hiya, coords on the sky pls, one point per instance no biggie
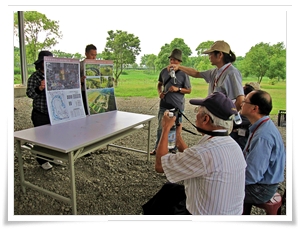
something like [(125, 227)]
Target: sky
[(240, 26)]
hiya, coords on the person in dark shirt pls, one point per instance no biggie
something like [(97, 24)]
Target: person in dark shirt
[(240, 133), (36, 91)]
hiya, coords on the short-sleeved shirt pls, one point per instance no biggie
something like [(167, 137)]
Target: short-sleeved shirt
[(176, 99), (213, 172), (229, 83)]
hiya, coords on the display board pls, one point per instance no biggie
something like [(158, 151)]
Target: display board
[(63, 89), (99, 86)]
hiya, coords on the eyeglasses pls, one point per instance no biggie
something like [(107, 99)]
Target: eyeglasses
[(246, 102)]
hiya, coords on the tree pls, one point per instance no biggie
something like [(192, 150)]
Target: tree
[(148, 60), (39, 33), (122, 48), (203, 46), (277, 68), (202, 63), (264, 60), (162, 59)]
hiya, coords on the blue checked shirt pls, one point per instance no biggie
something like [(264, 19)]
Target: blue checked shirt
[(39, 97)]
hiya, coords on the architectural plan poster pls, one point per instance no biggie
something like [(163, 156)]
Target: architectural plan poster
[(99, 85), (63, 92)]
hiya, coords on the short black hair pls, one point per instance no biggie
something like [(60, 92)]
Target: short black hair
[(248, 88), (263, 100), (39, 66), (90, 47)]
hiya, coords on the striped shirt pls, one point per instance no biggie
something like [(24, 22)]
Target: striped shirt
[(213, 172), (39, 102)]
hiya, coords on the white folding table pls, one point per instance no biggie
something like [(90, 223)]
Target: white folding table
[(73, 139)]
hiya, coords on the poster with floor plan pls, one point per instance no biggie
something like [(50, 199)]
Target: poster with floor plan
[(99, 85), (63, 89)]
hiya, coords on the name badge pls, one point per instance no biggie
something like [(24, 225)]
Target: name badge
[(242, 132)]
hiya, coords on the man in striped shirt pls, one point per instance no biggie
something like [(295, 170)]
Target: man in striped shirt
[(213, 170)]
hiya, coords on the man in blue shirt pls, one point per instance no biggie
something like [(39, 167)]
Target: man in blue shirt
[(264, 151)]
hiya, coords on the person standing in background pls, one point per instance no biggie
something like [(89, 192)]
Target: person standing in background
[(90, 53), (36, 91), (225, 78), (171, 91), (240, 133)]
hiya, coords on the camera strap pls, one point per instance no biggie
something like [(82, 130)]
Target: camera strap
[(211, 133)]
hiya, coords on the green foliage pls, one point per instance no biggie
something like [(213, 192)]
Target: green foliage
[(122, 48), (35, 25), (203, 63), (264, 60), (148, 60), (162, 59), (60, 54), (203, 46)]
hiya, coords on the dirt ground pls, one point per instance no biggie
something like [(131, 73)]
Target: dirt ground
[(109, 182)]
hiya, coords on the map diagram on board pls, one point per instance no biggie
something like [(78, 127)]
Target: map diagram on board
[(99, 86), (63, 91), (58, 106)]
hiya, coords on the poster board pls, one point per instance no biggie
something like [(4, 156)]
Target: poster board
[(99, 86), (62, 87)]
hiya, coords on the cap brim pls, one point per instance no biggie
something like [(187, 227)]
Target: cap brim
[(208, 51), (196, 101), (174, 58)]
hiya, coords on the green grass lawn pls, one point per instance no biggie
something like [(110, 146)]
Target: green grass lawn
[(138, 83), (135, 83)]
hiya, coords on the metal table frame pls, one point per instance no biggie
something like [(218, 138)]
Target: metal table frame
[(71, 140)]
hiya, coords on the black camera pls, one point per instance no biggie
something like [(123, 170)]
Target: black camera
[(177, 114)]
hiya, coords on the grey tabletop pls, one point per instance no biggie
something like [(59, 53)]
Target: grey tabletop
[(72, 135)]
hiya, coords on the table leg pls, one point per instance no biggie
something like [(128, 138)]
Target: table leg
[(73, 187), (21, 168), (148, 145)]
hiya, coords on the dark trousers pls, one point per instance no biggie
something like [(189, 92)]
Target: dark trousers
[(170, 200), (38, 119), (85, 102)]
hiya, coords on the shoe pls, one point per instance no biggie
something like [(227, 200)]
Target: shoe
[(153, 152), (57, 162), (46, 166), (27, 145)]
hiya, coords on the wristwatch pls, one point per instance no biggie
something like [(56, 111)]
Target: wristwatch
[(180, 89)]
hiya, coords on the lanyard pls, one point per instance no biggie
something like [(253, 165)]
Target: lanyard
[(216, 80), (212, 133), (254, 132)]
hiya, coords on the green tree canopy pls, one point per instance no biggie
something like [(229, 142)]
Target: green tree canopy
[(148, 60), (40, 33), (162, 57), (122, 48), (58, 53), (265, 60), (203, 46)]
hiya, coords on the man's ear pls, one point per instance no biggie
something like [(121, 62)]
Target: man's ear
[(206, 119)]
